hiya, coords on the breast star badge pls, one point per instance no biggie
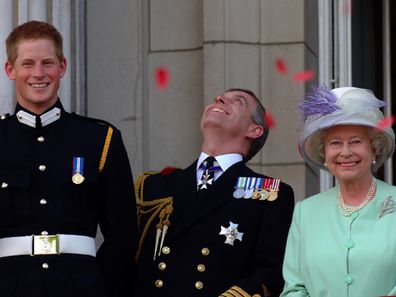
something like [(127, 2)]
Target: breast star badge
[(231, 233)]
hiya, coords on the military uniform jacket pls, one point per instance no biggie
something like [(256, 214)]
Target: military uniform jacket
[(37, 194), (194, 260)]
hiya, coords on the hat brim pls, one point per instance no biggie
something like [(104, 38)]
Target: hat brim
[(309, 142)]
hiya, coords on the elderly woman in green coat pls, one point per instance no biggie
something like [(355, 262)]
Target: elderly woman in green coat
[(342, 242)]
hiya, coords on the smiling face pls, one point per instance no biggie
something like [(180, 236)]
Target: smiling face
[(37, 72), (348, 153), (230, 111)]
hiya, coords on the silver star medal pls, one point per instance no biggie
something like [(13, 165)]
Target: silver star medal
[(231, 233), (203, 183)]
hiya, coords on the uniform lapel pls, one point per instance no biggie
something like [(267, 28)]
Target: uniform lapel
[(188, 208)]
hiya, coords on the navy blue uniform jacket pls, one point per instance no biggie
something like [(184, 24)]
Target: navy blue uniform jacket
[(105, 198), (195, 261)]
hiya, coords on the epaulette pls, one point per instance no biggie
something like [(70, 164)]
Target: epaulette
[(4, 116), (161, 208), (107, 141), (100, 121)]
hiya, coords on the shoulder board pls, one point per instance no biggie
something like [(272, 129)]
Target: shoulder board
[(4, 116), (100, 121)]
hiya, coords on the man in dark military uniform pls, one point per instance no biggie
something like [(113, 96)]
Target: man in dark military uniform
[(216, 228), (60, 176)]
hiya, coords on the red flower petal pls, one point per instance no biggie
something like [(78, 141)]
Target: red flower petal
[(386, 122), (303, 76), (281, 66), (348, 7), (168, 170), (162, 77), (269, 120)]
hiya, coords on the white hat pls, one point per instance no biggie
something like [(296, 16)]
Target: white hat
[(324, 108)]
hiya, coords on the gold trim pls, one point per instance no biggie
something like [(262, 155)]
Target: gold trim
[(227, 294), (240, 291), (162, 208), (105, 149)]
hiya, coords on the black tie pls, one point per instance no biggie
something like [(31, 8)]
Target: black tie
[(208, 175), (38, 122)]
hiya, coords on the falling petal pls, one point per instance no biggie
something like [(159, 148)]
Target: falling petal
[(281, 66), (299, 149), (348, 7), (386, 122), (304, 76), (168, 170), (162, 77), (269, 120)]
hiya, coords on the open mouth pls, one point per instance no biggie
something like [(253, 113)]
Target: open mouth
[(39, 85), (348, 164), (216, 109)]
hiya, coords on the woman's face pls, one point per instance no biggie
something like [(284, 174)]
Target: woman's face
[(348, 153)]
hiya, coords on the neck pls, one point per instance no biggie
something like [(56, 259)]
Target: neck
[(219, 145), (355, 192)]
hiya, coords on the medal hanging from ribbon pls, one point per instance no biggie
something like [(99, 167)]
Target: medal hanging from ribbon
[(272, 186), (78, 170), (240, 187)]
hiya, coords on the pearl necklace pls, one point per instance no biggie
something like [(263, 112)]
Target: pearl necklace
[(347, 210)]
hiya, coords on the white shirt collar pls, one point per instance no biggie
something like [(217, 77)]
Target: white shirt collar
[(46, 118), (225, 161)]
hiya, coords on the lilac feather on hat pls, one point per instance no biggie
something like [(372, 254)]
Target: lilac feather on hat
[(320, 101)]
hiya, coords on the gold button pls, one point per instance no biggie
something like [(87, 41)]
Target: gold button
[(40, 139), (201, 268), (162, 266), (165, 250), (44, 233), (42, 167), (43, 201), (45, 266), (4, 185), (159, 283), (2, 117), (199, 285), (205, 251)]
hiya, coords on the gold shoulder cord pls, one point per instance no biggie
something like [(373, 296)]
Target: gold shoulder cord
[(159, 207), (105, 149)]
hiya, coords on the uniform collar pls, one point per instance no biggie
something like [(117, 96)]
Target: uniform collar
[(224, 161), (33, 120)]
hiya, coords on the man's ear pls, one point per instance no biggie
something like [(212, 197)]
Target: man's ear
[(9, 69), (255, 131), (62, 67)]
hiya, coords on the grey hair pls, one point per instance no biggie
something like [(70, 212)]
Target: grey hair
[(379, 143), (258, 117)]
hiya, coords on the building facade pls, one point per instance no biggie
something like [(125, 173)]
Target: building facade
[(208, 46)]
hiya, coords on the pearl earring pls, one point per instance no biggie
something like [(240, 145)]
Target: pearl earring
[(374, 162), (325, 164)]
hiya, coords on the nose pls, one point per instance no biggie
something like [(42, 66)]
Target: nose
[(346, 151), (221, 99), (38, 71)]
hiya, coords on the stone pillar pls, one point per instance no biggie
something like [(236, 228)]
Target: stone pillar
[(6, 85), (61, 19), (174, 113), (242, 41)]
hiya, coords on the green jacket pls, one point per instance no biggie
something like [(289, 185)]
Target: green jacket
[(330, 255)]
